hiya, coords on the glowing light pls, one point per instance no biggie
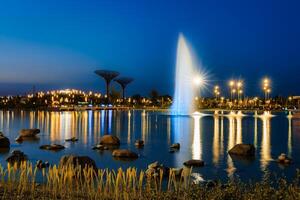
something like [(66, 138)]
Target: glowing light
[(239, 84), (197, 144), (266, 141), (199, 80), (187, 79)]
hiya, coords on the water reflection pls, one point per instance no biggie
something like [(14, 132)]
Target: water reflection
[(144, 125), (290, 139), (255, 131), (197, 145), (239, 137), (216, 141), (266, 141), (231, 142), (128, 126)]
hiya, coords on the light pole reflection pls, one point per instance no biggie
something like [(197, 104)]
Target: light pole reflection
[(255, 131), (216, 141), (144, 124), (290, 139), (231, 142), (239, 137), (266, 141), (197, 144), (128, 126)]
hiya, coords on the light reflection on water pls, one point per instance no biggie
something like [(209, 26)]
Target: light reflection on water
[(197, 144), (265, 142), (201, 137)]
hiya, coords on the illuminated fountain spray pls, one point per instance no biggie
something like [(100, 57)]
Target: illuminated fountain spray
[(186, 80)]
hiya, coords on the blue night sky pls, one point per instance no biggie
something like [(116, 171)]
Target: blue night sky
[(58, 44)]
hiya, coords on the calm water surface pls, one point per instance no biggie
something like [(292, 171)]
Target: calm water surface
[(201, 137)]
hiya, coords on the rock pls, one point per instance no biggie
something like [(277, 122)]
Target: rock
[(110, 140), (100, 147), (16, 157), (139, 143), (284, 159), (72, 139), (4, 141), (124, 153), (53, 147), (40, 164), (194, 163), (74, 161), (155, 168), (175, 146), (29, 132), (242, 150), (19, 139)]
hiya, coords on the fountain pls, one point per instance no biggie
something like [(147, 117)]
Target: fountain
[(186, 80)]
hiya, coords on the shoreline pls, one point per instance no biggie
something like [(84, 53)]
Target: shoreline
[(142, 109)]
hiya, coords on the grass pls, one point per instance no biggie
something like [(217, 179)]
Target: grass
[(68, 182)]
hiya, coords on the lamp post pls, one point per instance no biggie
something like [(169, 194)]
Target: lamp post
[(239, 89), (266, 88), (231, 85), (217, 91)]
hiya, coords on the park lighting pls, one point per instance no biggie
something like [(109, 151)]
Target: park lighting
[(217, 91), (199, 80), (231, 85), (239, 84), (266, 87), (239, 89)]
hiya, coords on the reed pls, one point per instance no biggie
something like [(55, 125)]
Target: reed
[(69, 182)]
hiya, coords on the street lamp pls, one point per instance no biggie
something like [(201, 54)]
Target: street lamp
[(266, 88), (231, 85), (217, 91), (239, 89)]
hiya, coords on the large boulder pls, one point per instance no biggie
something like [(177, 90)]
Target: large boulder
[(194, 163), (74, 161), (124, 153), (284, 159), (155, 168), (53, 147), (16, 157), (243, 150), (72, 139), (139, 143), (29, 132), (100, 147), (110, 140), (4, 141), (175, 146)]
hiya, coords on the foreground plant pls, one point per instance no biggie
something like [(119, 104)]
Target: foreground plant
[(69, 182)]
